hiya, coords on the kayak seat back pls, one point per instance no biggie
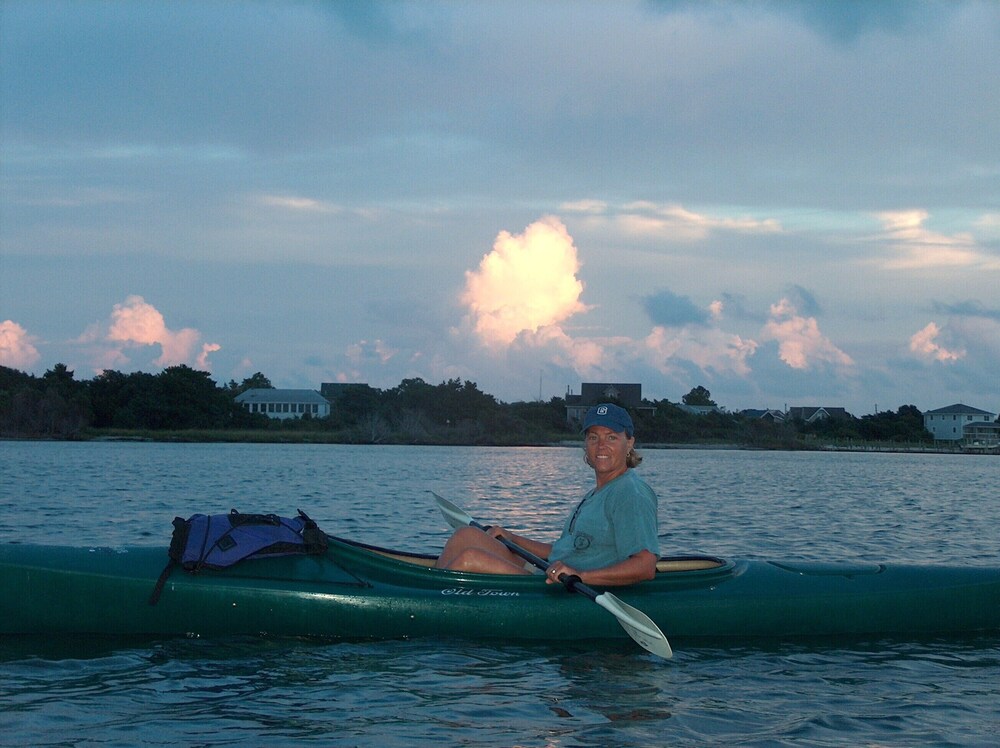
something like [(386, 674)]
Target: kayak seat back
[(669, 564)]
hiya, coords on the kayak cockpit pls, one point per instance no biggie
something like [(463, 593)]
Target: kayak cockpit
[(666, 564)]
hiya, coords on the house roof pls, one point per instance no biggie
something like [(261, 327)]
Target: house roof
[(762, 413), (959, 409), (813, 411), (270, 395)]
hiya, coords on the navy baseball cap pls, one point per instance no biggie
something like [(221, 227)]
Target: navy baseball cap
[(611, 416)]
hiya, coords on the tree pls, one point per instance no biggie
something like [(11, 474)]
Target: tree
[(256, 382), (193, 401), (357, 404), (107, 398), (698, 396)]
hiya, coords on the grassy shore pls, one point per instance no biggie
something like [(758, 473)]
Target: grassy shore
[(268, 436)]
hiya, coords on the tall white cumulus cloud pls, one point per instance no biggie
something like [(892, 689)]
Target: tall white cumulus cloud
[(527, 282)]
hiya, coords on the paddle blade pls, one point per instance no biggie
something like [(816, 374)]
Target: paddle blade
[(637, 624), (452, 514)]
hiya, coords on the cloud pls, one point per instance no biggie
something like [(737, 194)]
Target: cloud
[(527, 282), (801, 345), (592, 207), (646, 219), (135, 324), (370, 351), (202, 360), (711, 350), (673, 221), (804, 301), (17, 347), (585, 356), (989, 223), (923, 344), (917, 247), (737, 306), (969, 308), (667, 308), (309, 205), (300, 204)]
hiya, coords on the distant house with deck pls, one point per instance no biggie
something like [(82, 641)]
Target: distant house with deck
[(282, 404), (952, 422), (981, 437)]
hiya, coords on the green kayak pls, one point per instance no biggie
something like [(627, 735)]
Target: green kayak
[(362, 591)]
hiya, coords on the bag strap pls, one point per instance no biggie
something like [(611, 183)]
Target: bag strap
[(177, 542), (154, 598)]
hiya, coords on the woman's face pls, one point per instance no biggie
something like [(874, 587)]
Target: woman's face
[(606, 452)]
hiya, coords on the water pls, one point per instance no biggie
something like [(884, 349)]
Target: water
[(431, 692)]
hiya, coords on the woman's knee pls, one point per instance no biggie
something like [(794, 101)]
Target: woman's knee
[(484, 562), (470, 535)]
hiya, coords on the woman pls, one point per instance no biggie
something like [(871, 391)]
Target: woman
[(611, 537)]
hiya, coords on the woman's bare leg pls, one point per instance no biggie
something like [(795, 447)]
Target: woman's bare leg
[(471, 549)]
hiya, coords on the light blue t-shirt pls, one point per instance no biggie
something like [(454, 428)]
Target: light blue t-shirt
[(609, 525)]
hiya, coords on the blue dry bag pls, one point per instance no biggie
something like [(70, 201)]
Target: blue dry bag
[(217, 541)]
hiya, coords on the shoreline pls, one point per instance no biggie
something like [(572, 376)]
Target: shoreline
[(261, 437)]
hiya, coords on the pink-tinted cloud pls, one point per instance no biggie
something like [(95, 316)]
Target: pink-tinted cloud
[(202, 360), (924, 344), (801, 345), (17, 347), (527, 282), (137, 323)]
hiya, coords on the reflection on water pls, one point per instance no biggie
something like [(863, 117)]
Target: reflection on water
[(433, 692), (424, 693)]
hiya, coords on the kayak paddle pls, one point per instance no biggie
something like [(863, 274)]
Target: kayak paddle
[(637, 624)]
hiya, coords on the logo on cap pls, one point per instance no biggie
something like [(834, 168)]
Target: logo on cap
[(603, 410)]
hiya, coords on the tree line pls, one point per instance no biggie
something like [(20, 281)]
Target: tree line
[(180, 399)]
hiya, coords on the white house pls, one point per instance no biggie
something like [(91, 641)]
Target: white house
[(275, 403), (949, 424)]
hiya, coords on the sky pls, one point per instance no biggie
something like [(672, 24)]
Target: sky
[(789, 203)]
